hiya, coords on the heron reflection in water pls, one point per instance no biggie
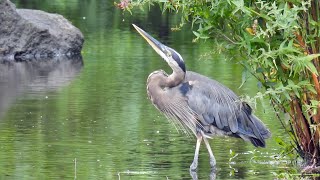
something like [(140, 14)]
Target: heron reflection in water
[(199, 104)]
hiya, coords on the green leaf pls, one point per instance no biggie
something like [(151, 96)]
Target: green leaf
[(280, 141), (129, 10), (259, 70), (196, 33), (243, 77), (286, 94), (312, 68), (270, 84), (311, 88), (296, 92)]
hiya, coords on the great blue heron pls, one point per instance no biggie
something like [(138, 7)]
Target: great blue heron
[(199, 103)]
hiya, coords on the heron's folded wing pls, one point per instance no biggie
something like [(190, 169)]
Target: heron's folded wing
[(217, 104)]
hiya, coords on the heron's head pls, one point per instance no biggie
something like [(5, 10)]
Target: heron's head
[(172, 57)]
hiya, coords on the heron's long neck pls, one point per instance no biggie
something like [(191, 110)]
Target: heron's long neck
[(175, 78), (157, 85)]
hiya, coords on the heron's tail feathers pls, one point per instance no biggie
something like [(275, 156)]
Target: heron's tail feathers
[(263, 130), (261, 133), (252, 129), (257, 142)]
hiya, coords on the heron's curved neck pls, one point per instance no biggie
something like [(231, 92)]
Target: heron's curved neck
[(175, 78)]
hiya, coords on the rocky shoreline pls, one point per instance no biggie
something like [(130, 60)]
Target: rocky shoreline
[(27, 34)]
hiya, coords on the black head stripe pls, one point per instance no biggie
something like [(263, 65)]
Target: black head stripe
[(179, 61)]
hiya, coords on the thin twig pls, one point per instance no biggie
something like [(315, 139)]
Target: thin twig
[(75, 168)]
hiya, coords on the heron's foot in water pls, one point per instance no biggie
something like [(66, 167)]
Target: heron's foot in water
[(194, 166)]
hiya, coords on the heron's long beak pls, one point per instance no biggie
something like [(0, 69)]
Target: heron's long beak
[(156, 45)]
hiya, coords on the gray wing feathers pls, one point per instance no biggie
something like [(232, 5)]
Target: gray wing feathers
[(178, 110), (219, 106)]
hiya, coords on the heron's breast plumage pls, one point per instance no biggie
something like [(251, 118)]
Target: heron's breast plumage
[(172, 102)]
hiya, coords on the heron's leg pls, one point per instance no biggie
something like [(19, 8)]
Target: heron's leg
[(194, 164), (212, 159)]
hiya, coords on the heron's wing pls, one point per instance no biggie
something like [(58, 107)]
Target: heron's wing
[(217, 105), (214, 102), (182, 116)]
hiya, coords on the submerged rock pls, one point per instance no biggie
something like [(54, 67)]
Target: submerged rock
[(33, 34)]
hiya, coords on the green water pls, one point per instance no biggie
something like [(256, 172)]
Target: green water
[(92, 119)]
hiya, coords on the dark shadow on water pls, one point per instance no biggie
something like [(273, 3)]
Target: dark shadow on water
[(18, 78)]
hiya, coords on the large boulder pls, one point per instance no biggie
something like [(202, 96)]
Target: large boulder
[(32, 34)]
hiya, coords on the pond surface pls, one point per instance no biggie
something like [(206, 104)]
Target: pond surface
[(91, 119)]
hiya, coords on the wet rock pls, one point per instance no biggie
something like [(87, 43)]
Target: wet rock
[(33, 34)]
